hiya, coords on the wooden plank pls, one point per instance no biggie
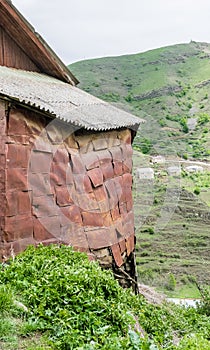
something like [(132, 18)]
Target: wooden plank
[(14, 56), (1, 47)]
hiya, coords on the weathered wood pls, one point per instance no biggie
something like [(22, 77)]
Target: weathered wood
[(11, 55)]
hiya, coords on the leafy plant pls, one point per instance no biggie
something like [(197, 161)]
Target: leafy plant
[(77, 305)]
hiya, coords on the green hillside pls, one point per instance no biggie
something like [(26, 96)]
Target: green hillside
[(170, 88)]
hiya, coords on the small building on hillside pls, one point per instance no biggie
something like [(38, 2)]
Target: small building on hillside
[(65, 156)]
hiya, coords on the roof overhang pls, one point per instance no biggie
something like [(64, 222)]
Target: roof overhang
[(62, 101)]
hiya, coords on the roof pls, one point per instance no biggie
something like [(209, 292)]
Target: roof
[(63, 101), (32, 43)]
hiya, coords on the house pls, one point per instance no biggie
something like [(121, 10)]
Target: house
[(145, 173), (65, 156)]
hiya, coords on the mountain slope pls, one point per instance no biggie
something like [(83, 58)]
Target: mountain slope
[(169, 87)]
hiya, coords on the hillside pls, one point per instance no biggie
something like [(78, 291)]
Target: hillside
[(170, 88)]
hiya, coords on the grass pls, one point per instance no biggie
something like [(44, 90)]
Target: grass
[(73, 305), (190, 290), (15, 333)]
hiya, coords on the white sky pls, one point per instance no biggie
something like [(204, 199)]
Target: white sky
[(82, 29)]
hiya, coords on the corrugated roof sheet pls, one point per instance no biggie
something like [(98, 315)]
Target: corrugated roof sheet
[(63, 101)]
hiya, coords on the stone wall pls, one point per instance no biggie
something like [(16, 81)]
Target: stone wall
[(69, 186)]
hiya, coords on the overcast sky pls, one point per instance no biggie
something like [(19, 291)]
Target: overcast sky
[(82, 29)]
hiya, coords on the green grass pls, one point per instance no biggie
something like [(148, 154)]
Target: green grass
[(73, 305), (181, 291)]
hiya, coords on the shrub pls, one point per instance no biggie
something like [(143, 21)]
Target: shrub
[(197, 191), (204, 305), (171, 284), (151, 230), (6, 301)]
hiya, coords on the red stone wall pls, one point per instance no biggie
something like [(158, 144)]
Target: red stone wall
[(2, 169), (65, 186)]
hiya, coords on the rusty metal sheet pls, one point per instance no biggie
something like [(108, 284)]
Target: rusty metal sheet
[(11, 203), (122, 246), (101, 194), (17, 124), (127, 165), (76, 237), (18, 227), (86, 201), (112, 194), (18, 156), (91, 257), (123, 209), (99, 143), (18, 246), (117, 254), (51, 241), (127, 150), (107, 220), (2, 205), (44, 206), (52, 225), (127, 180), (118, 168), (107, 170), (24, 202), (77, 164), (2, 144), (116, 154), (16, 179), (104, 155), (72, 213), (128, 224), (120, 188), (61, 156), (40, 232), (59, 174), (63, 196), (96, 177), (79, 180), (92, 219), (87, 186), (24, 140), (91, 160), (125, 136), (129, 205), (115, 213), (101, 237), (130, 244), (40, 184), (119, 230), (40, 162)]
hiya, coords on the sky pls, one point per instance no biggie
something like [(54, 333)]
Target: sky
[(84, 29)]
